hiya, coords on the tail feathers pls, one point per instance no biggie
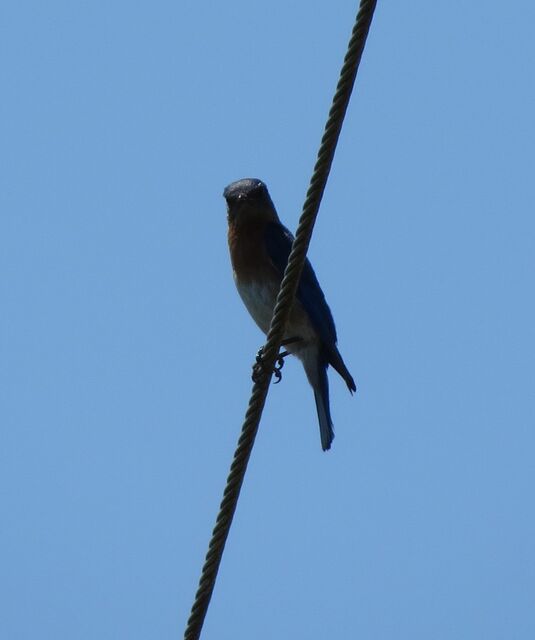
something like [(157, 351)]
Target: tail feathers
[(321, 396), (335, 359)]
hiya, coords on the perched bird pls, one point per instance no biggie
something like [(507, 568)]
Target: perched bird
[(259, 249)]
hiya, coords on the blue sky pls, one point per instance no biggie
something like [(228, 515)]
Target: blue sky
[(126, 352)]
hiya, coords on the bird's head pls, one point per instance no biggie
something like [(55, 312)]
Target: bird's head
[(247, 200)]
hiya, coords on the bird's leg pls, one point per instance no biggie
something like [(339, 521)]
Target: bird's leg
[(279, 363), (288, 341), (258, 367)]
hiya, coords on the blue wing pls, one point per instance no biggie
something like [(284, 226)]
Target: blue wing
[(278, 244)]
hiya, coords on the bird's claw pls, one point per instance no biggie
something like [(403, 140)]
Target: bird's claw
[(259, 368), (277, 369)]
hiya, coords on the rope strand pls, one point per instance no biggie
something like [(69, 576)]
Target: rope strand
[(281, 313)]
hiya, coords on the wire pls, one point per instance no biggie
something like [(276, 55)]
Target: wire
[(280, 317)]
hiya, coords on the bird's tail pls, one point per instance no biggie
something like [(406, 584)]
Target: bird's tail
[(321, 396), (335, 359)]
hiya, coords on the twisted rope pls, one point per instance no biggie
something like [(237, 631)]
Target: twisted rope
[(281, 314)]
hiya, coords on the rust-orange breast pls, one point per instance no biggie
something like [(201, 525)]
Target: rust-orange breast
[(248, 254)]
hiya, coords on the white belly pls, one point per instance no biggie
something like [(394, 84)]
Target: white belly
[(260, 299)]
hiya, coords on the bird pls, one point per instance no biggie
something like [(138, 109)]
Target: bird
[(259, 246)]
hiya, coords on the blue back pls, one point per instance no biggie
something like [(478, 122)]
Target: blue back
[(278, 244)]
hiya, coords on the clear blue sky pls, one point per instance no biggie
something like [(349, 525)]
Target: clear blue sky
[(126, 352)]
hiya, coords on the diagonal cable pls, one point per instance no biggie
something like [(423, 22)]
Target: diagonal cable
[(280, 317)]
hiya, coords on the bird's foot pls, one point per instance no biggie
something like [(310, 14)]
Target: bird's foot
[(259, 366), (279, 363)]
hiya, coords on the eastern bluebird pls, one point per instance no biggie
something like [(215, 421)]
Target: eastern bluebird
[(259, 249)]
